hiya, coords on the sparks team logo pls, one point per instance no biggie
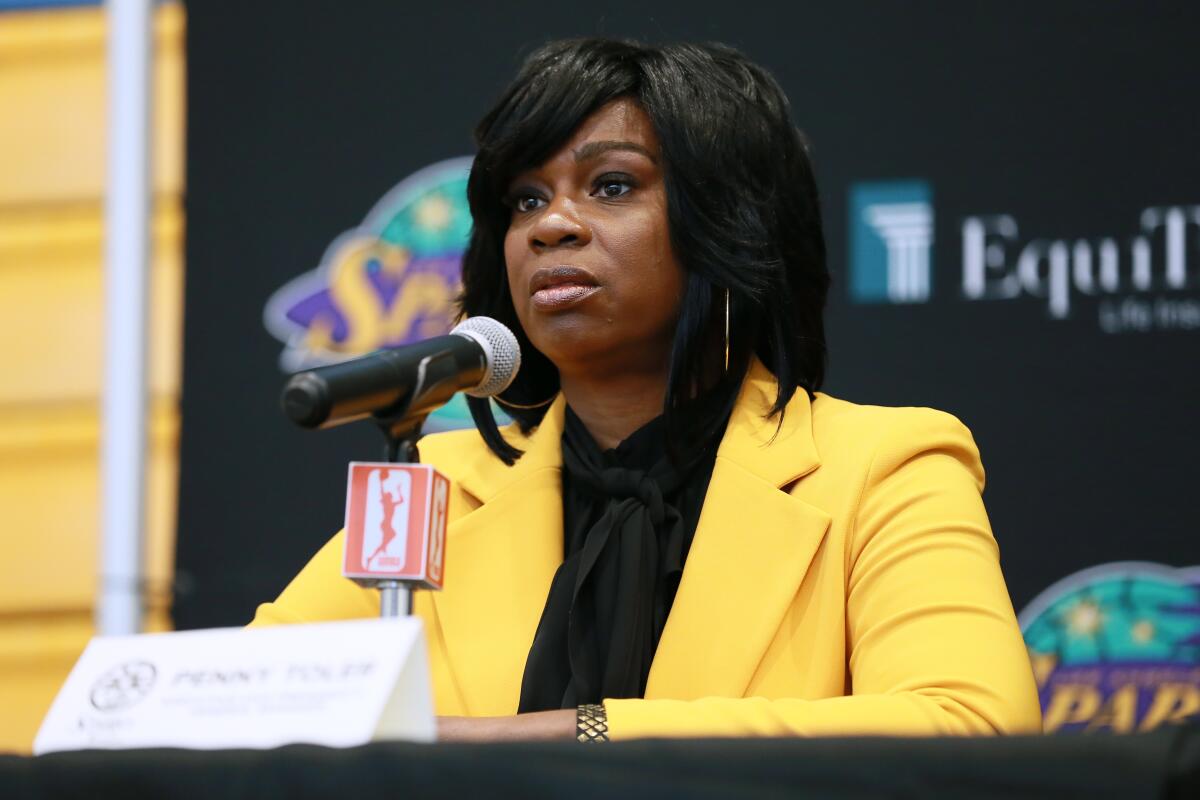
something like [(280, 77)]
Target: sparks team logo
[(1117, 648), (388, 282), (891, 235)]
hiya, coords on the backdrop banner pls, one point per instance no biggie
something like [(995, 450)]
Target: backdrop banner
[(1012, 206)]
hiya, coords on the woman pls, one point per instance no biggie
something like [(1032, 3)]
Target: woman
[(680, 535)]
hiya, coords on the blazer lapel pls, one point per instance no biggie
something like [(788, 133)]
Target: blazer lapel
[(752, 548), (501, 558), (753, 545)]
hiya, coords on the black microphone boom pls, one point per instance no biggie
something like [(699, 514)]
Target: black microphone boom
[(375, 383), (480, 357)]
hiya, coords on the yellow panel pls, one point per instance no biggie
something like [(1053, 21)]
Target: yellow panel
[(52, 91), (52, 303), (52, 106), (49, 505), (36, 653), (49, 510)]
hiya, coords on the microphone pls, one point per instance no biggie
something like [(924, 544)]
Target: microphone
[(480, 356)]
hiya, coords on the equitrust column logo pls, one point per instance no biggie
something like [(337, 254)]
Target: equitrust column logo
[(891, 239), (1140, 275)]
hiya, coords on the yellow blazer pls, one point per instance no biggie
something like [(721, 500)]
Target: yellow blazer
[(843, 579)]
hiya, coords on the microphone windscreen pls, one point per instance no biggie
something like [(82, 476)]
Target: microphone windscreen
[(500, 348)]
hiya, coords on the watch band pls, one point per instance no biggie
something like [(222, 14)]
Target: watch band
[(591, 723)]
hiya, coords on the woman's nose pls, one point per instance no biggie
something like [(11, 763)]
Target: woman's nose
[(560, 225)]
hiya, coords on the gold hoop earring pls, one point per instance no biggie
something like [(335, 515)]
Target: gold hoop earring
[(727, 330), (522, 406)]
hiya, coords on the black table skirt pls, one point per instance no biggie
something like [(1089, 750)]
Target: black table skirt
[(1162, 764)]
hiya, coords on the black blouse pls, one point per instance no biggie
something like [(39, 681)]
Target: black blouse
[(629, 516)]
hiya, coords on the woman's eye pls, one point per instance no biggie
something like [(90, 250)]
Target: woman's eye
[(613, 187), (526, 202)]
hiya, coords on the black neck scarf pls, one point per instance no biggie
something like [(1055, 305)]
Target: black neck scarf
[(628, 520)]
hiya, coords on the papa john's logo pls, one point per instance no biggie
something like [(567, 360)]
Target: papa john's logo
[(390, 281), (1116, 648)]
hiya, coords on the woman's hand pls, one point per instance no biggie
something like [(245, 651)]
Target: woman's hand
[(540, 726)]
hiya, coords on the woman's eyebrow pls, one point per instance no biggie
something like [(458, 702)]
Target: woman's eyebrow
[(594, 149)]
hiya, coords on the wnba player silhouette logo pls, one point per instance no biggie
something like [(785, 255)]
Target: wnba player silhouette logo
[(438, 538), (395, 523), (385, 528)]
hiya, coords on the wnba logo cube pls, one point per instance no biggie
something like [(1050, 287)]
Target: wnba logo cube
[(891, 235), (395, 523), (385, 526)]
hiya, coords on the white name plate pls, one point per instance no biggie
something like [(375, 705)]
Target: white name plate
[(337, 684)]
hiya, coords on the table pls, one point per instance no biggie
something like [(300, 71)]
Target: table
[(1161, 764)]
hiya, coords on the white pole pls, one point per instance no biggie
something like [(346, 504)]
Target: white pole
[(126, 262)]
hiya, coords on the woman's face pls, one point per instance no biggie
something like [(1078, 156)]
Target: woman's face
[(593, 278)]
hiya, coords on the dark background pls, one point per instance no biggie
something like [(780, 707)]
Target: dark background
[(1072, 117)]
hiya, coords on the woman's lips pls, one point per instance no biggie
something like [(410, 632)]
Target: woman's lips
[(555, 288), (562, 295)]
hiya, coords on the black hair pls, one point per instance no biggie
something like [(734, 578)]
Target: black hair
[(741, 206)]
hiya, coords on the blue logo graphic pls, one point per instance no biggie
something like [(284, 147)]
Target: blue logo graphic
[(891, 235), (1116, 648), (390, 281)]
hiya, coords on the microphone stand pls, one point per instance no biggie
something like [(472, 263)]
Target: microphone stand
[(401, 427), (400, 447)]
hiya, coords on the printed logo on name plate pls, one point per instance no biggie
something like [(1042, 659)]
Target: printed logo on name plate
[(123, 686), (1116, 648), (391, 281), (891, 238)]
